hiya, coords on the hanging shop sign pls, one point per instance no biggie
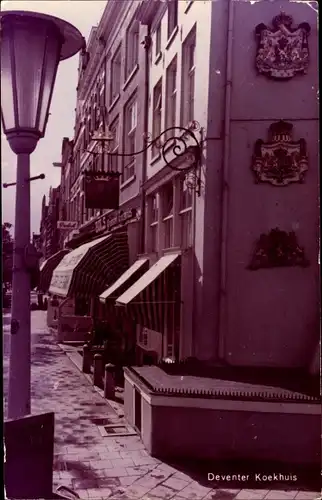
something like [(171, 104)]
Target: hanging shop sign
[(280, 161), (66, 224), (101, 191), (282, 51)]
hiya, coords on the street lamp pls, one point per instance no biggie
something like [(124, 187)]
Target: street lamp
[(32, 45)]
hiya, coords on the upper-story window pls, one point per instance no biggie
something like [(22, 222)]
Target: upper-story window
[(132, 47), (171, 94), (113, 161), (185, 211), (167, 214), (172, 16), (115, 75), (158, 39), (153, 204), (188, 78), (130, 123), (157, 114)]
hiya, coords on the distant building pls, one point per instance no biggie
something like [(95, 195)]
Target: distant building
[(48, 241)]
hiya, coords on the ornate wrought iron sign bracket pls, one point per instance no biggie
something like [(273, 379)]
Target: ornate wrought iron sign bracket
[(179, 147)]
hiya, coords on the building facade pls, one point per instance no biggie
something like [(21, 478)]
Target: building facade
[(48, 241), (247, 72), (150, 66), (109, 99)]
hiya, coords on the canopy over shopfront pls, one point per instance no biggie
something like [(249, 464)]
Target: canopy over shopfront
[(125, 281), (89, 269), (47, 268), (148, 299)]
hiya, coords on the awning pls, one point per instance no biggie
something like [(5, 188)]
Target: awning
[(92, 267), (127, 279), (47, 268), (149, 298)]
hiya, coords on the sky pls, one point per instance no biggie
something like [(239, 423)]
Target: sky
[(83, 14)]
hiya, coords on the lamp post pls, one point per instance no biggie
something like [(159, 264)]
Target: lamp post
[(32, 45)]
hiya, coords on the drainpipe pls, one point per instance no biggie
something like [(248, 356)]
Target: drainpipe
[(193, 258), (146, 44), (225, 181)]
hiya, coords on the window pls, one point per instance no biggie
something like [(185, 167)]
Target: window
[(115, 75), (167, 214), (188, 4), (113, 163), (171, 94), (132, 47), (172, 16), (188, 79), (158, 40), (130, 121), (154, 214), (185, 213), (157, 115)]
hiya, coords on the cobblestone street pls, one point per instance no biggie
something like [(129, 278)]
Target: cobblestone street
[(107, 467)]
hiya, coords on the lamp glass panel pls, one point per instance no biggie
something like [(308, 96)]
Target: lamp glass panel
[(53, 48), (29, 48), (7, 100)]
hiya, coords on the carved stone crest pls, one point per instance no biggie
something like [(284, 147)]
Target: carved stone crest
[(280, 161), (277, 249), (282, 51)]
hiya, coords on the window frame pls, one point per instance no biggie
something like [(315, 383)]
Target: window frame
[(116, 56), (132, 49), (158, 39), (171, 94), (157, 116), (172, 17), (168, 219), (185, 216), (115, 125), (129, 134), (153, 218), (188, 76)]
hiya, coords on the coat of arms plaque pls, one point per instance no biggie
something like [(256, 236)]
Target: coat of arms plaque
[(282, 51), (281, 160), (277, 249)]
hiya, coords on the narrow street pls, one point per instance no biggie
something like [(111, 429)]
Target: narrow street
[(107, 467)]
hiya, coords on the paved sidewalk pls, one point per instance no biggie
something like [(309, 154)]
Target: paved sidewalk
[(110, 467)]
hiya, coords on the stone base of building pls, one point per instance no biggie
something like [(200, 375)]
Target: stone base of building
[(177, 419)]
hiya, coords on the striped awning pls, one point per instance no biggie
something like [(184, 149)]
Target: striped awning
[(91, 268), (148, 300), (127, 279), (47, 268)]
